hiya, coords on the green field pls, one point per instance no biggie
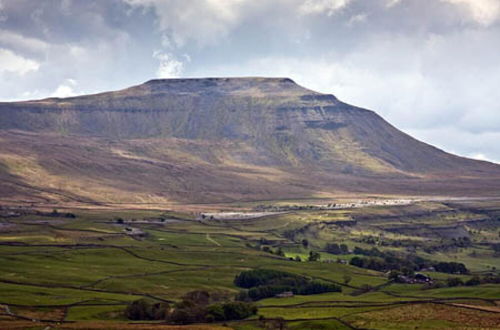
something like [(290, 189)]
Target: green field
[(83, 271)]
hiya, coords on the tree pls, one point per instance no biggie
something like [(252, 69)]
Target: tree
[(333, 248), (199, 297), (344, 249), (454, 281), (267, 249), (314, 256), (473, 281), (394, 275), (407, 271), (451, 268), (297, 258), (138, 310), (305, 243), (143, 309), (347, 279), (215, 313), (238, 310), (356, 261)]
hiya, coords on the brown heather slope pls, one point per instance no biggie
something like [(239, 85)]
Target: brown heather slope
[(218, 140)]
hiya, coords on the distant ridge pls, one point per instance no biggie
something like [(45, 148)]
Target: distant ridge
[(219, 139)]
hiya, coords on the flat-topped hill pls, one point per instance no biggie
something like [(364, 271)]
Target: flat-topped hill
[(222, 139)]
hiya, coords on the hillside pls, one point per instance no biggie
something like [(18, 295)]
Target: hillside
[(218, 139)]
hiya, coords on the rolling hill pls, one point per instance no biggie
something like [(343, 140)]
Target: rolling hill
[(218, 140)]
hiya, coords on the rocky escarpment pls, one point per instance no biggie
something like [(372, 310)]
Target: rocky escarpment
[(269, 135)]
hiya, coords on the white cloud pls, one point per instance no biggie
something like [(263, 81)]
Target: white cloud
[(480, 157), (483, 146), (360, 18), (392, 3), (14, 40), (328, 7), (484, 12), (169, 67), (11, 62), (66, 89)]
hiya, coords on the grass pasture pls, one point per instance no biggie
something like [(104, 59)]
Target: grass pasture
[(75, 273)]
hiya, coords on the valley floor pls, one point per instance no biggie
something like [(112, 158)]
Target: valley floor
[(80, 269)]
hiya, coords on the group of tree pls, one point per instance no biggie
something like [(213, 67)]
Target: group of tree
[(144, 309), (195, 307), (335, 248), (376, 259), (56, 214), (389, 262), (457, 281), (314, 256), (496, 249), (265, 283), (279, 251), (373, 252), (451, 268), (446, 245), (428, 247), (475, 280)]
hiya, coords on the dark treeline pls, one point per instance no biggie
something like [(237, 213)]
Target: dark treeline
[(387, 261), (195, 307), (428, 247), (473, 281), (265, 283), (451, 268)]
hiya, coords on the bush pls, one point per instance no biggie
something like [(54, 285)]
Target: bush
[(314, 256), (473, 281), (238, 310), (145, 310), (199, 297), (229, 311), (216, 313), (454, 281), (333, 248), (186, 315), (356, 261)]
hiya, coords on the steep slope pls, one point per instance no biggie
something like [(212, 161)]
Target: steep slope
[(219, 139)]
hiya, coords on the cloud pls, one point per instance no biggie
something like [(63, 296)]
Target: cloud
[(66, 89), (482, 146), (481, 157), (328, 7), (13, 63), (3, 15), (204, 21), (19, 42), (484, 12), (168, 67), (359, 18), (392, 3)]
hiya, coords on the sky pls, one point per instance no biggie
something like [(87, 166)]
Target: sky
[(429, 67)]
